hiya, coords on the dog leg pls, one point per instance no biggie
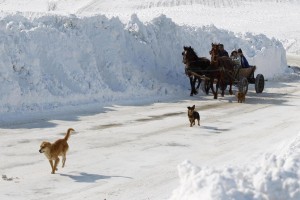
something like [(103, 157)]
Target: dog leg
[(198, 122), (64, 160), (52, 167), (55, 165)]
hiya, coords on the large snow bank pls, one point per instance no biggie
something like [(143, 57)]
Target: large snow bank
[(276, 178), (52, 61)]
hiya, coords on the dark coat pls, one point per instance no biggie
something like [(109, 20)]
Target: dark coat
[(223, 53), (244, 62)]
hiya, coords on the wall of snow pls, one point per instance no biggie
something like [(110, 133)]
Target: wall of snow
[(276, 177), (216, 3), (53, 61)]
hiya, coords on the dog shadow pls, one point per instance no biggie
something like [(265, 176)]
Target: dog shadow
[(83, 177), (215, 129)]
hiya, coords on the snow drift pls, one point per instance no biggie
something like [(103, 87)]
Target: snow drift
[(52, 61), (276, 177)]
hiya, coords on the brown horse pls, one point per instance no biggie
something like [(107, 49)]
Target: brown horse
[(201, 67), (225, 66)]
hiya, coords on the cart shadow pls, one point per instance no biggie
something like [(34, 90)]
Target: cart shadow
[(268, 98), (262, 98), (83, 177)]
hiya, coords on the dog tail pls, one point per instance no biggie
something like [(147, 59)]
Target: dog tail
[(68, 133)]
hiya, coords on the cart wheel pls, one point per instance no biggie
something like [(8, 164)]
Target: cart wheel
[(259, 83), (243, 85), (205, 86)]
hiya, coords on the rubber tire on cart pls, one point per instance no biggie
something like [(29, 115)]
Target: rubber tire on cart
[(259, 83), (243, 85)]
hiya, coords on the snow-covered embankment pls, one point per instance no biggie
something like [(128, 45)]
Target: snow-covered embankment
[(54, 61)]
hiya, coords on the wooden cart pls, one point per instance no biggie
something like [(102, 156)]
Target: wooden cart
[(242, 78), (245, 76)]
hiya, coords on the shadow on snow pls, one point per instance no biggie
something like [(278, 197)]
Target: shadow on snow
[(90, 178)]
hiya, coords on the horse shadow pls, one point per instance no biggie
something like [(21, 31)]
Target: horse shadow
[(83, 177)]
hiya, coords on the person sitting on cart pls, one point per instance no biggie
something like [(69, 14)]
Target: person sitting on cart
[(236, 59), (244, 62), (222, 51)]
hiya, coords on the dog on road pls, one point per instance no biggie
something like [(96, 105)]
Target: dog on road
[(193, 116), (240, 97), (58, 148)]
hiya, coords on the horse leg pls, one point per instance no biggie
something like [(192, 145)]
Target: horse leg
[(230, 88), (207, 87), (194, 84), (215, 93), (193, 89), (217, 87), (231, 83), (222, 88), (222, 83), (199, 82)]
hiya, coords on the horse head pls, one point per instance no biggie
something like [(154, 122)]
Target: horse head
[(188, 55), (214, 52)]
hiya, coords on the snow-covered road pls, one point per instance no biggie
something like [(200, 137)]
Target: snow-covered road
[(132, 152)]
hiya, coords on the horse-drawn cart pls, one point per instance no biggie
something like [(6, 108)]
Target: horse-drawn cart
[(219, 72), (242, 78)]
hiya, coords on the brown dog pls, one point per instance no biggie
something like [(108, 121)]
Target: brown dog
[(240, 97), (58, 148), (193, 115)]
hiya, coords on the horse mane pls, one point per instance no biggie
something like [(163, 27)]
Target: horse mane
[(194, 53), (193, 58)]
